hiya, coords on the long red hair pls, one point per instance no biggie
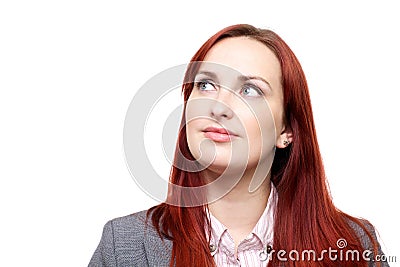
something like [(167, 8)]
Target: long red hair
[(306, 217)]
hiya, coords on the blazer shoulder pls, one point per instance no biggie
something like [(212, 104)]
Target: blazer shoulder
[(122, 242), (366, 241), (133, 223), (131, 241), (362, 234)]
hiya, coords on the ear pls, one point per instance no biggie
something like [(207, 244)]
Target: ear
[(285, 138)]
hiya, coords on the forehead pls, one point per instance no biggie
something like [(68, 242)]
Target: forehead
[(248, 56)]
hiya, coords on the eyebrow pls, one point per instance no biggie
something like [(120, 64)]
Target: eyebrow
[(253, 77), (241, 77), (207, 73)]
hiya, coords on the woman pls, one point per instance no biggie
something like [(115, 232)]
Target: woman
[(248, 141)]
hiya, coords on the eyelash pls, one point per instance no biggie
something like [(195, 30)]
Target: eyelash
[(201, 82), (253, 86), (246, 85)]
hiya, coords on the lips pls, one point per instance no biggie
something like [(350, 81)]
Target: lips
[(219, 134)]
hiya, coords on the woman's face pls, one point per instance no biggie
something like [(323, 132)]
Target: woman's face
[(235, 112)]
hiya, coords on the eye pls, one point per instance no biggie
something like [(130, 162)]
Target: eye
[(251, 90), (205, 85)]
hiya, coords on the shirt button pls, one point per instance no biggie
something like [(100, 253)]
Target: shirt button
[(213, 248)]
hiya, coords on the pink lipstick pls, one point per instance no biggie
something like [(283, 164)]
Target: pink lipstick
[(218, 134)]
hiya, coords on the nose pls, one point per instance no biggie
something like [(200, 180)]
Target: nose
[(220, 107)]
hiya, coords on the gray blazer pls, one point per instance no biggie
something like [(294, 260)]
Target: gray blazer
[(128, 241)]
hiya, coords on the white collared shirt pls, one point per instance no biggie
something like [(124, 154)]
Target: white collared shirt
[(251, 251)]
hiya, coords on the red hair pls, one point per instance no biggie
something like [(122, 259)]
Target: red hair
[(306, 217)]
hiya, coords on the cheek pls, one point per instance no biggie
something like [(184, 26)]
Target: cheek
[(253, 130), (261, 132), (197, 107), (277, 113), (259, 123), (191, 111), (203, 150), (192, 138)]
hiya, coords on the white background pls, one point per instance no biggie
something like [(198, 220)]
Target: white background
[(69, 69)]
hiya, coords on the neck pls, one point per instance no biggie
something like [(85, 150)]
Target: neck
[(240, 209)]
